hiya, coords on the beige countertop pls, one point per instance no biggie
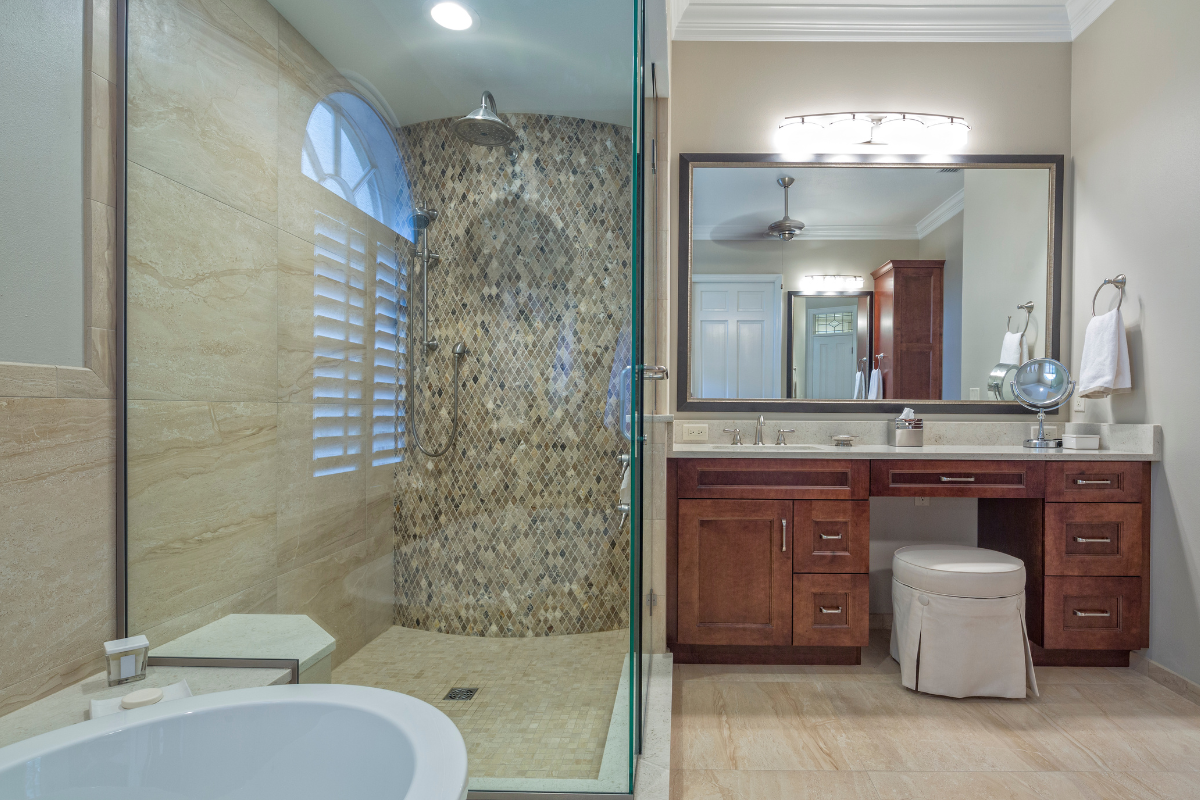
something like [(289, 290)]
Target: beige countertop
[(70, 705)]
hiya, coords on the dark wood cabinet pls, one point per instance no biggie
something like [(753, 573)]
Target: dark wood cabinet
[(735, 572), (768, 558), (908, 328)]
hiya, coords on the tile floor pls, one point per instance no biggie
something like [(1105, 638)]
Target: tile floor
[(543, 706), (855, 732)]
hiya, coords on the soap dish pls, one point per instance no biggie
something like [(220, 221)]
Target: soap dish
[(1081, 441)]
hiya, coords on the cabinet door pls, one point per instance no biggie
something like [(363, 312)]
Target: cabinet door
[(735, 572)]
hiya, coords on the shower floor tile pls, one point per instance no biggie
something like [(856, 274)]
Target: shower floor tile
[(543, 707)]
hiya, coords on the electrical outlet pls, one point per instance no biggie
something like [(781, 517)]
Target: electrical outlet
[(974, 392), (922, 501), (695, 432), (1079, 404)]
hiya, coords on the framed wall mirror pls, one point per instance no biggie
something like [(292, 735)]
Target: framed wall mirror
[(865, 283)]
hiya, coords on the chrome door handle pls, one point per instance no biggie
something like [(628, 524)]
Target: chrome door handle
[(658, 373), (826, 610), (785, 536), (964, 480), (1083, 540), (1079, 613), (827, 536), (1081, 482)]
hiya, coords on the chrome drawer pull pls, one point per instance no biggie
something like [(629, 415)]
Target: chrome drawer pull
[(1079, 613), (1083, 540), (827, 610), (785, 536), (964, 480), (1081, 482), (827, 536)]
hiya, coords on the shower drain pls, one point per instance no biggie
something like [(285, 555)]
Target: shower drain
[(459, 693)]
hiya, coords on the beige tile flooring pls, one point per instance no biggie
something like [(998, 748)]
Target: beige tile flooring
[(855, 732), (543, 706)]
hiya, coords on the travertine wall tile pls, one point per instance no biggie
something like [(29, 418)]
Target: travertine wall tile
[(101, 177), (100, 253), (27, 380), (202, 504), (57, 532), (84, 382), (201, 296)]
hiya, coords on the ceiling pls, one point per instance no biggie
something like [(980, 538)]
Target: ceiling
[(536, 56), (883, 20), (738, 203)]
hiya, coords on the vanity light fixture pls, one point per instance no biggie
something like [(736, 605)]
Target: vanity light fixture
[(903, 130), (831, 283), (452, 15)]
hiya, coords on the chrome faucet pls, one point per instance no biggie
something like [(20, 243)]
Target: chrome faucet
[(758, 430), (737, 435)]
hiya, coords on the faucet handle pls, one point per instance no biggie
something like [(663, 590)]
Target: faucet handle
[(737, 434), (779, 439)]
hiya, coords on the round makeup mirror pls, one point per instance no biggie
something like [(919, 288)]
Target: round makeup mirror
[(1042, 385)]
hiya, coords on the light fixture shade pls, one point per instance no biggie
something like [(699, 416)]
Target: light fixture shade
[(802, 135), (948, 137), (831, 283), (851, 130), (452, 16), (901, 131)]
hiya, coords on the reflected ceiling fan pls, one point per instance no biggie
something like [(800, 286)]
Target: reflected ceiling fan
[(786, 228)]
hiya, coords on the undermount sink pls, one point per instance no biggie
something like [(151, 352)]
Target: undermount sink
[(779, 448)]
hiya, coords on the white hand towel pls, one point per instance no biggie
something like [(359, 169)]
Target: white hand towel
[(1012, 351), (860, 391), (1105, 365), (875, 392)]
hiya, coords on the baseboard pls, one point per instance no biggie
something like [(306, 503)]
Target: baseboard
[(735, 654), (1168, 678)]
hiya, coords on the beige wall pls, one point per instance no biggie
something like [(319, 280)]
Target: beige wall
[(58, 444), (725, 95), (1135, 110), (226, 514)]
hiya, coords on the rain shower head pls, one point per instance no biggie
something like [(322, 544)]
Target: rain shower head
[(483, 126), (423, 217)]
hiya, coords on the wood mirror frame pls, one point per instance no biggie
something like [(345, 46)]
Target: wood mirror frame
[(1053, 300)]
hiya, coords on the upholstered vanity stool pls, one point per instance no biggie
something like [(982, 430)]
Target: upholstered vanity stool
[(958, 626)]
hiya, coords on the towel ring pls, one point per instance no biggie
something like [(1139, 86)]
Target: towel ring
[(1118, 282), (1028, 309)]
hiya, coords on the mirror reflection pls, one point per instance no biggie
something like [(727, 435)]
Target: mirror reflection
[(867, 282)]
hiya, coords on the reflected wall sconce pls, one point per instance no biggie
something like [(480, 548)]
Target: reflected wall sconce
[(902, 130), (831, 283)]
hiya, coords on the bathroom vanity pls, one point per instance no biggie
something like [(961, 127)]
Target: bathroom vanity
[(768, 554)]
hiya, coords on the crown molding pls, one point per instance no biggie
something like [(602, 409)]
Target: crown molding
[(1082, 13), (936, 218), (740, 21)]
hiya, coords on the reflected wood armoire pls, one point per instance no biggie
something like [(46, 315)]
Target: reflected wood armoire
[(908, 328)]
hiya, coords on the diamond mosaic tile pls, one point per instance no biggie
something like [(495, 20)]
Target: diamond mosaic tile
[(515, 532)]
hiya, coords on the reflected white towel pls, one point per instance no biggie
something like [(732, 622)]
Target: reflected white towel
[(1105, 365), (875, 391), (860, 391), (1014, 349)]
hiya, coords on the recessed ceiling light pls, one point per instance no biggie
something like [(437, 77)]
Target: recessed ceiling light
[(452, 16)]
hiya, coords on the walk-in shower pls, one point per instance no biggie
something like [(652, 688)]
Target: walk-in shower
[(382, 360)]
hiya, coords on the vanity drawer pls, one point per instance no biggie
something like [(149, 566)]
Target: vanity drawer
[(1094, 614), (957, 478), (830, 610), (1095, 481), (773, 478), (831, 536), (1094, 538)]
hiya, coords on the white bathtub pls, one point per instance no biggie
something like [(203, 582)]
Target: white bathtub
[(270, 743)]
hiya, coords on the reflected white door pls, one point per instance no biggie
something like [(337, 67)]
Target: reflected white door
[(831, 353), (735, 339)]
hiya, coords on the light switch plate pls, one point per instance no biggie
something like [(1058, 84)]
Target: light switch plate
[(695, 432), (1079, 404)]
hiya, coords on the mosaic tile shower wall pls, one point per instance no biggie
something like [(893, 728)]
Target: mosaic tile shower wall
[(515, 532)]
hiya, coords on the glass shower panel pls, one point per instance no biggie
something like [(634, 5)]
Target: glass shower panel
[(381, 361)]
